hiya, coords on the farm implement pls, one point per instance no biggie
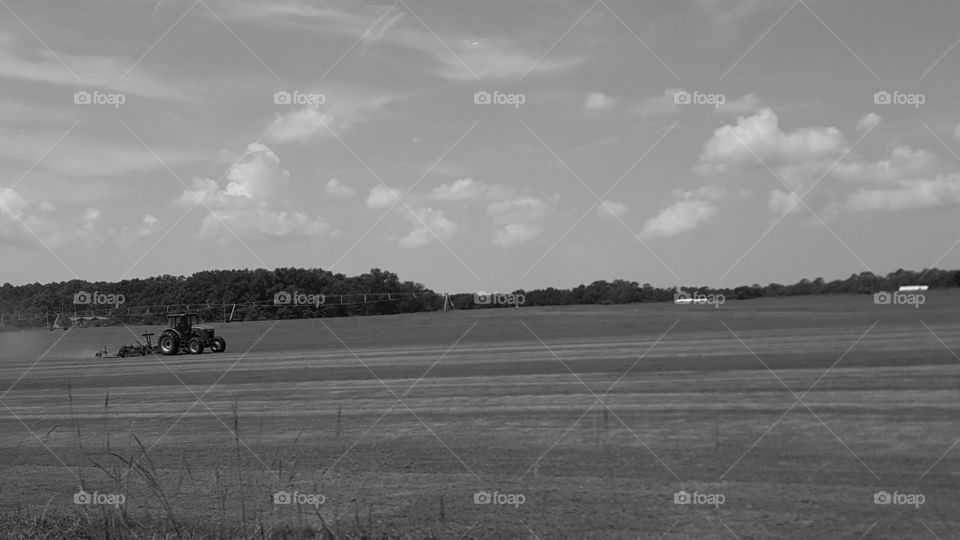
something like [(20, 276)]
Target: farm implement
[(184, 333), (138, 349)]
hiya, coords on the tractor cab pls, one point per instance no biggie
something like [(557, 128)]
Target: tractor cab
[(183, 322)]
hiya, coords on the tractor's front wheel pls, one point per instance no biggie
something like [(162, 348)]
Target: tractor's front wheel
[(195, 346), (218, 344), (169, 344)]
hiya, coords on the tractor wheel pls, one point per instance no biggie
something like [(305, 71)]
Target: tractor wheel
[(195, 346), (218, 345), (169, 344)]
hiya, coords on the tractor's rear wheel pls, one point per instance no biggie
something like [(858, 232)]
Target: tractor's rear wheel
[(169, 344), (218, 344), (195, 346)]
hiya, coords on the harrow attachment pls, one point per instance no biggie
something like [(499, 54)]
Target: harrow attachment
[(138, 349)]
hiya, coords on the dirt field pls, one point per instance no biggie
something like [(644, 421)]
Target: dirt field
[(784, 417)]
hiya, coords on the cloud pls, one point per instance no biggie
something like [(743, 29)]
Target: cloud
[(660, 105), (869, 120), (262, 223), (24, 226), (490, 58), (783, 202), (747, 104), (801, 157), (252, 203), (300, 125), (467, 189), (429, 225), (518, 220), (514, 234), (693, 210), (344, 108), (14, 211), (15, 112), (339, 189), (96, 72), (149, 226), (85, 230), (259, 176), (382, 197), (462, 189), (611, 209), (760, 137), (903, 162), (731, 11), (77, 155), (599, 101), (391, 32), (126, 238), (956, 133), (909, 195)]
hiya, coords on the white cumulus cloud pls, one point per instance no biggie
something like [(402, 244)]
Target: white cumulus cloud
[(518, 220), (253, 203), (611, 209), (339, 189), (467, 189), (908, 195), (694, 209), (868, 121), (382, 197), (760, 137), (429, 225), (599, 101)]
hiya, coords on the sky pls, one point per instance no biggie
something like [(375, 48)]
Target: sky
[(488, 145)]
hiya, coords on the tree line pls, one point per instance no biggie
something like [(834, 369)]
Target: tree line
[(254, 291)]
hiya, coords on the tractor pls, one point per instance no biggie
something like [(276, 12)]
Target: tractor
[(186, 332)]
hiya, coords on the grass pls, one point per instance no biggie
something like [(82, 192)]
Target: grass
[(502, 401)]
